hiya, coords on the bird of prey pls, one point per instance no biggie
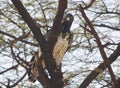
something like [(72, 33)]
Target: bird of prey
[(61, 46), (33, 71), (63, 40)]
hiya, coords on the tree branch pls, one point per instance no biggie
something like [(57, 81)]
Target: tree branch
[(100, 46), (54, 32), (37, 33), (43, 77), (31, 24), (16, 83), (58, 18), (107, 26), (89, 5), (100, 68), (17, 39), (13, 67), (56, 77)]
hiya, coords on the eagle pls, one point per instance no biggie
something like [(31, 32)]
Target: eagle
[(60, 48)]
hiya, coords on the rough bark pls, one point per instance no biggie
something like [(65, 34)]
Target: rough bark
[(46, 46)]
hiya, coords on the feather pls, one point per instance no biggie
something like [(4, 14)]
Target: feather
[(59, 50)]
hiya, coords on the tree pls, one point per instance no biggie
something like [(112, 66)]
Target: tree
[(94, 22)]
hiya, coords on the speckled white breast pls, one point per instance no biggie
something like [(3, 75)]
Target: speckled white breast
[(60, 48)]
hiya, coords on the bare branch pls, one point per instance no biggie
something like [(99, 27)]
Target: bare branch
[(100, 68), (107, 26), (11, 86), (13, 67), (58, 18), (89, 5), (56, 77), (31, 23), (43, 77), (100, 46), (17, 39), (44, 15)]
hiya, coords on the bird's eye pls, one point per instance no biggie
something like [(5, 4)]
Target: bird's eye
[(68, 18)]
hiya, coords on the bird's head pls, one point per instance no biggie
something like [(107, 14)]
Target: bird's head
[(67, 22), (68, 17)]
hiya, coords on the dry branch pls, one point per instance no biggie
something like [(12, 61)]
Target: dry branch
[(30, 22), (100, 46), (100, 68), (46, 46)]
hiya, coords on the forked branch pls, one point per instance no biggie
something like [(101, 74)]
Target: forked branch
[(100, 46)]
